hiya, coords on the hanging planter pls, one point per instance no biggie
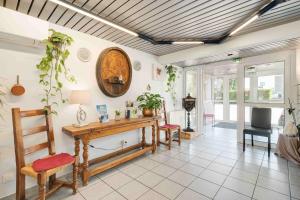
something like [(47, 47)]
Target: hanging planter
[(52, 68)]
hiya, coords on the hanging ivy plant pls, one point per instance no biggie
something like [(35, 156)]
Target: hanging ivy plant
[(171, 79), (52, 67)]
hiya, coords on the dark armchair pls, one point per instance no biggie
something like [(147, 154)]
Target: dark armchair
[(260, 126)]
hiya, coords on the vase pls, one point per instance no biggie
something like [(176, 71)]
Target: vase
[(117, 117), (147, 112)]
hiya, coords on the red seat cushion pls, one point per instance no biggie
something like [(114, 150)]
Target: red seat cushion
[(52, 162), (170, 126)]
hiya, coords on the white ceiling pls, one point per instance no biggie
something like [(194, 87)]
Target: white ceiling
[(160, 19)]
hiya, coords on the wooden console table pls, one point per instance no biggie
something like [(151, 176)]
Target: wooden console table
[(98, 130)]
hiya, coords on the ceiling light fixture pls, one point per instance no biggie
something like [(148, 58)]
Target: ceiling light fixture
[(244, 25), (93, 16), (187, 42)]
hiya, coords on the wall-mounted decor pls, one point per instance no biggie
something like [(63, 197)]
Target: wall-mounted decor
[(17, 89), (171, 80), (137, 66), (84, 54), (158, 72), (113, 72)]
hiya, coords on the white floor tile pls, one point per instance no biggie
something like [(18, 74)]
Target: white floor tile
[(206, 156), (117, 180), (226, 194), (152, 195), (274, 185), (150, 179), (225, 161), (265, 194), (147, 163), (160, 158), (163, 170), (113, 196), (183, 156), (74, 197), (295, 191), (223, 169), (239, 186), (133, 171), (244, 176), (169, 189), (182, 178), (132, 190), (96, 191), (213, 176), (200, 162), (192, 169), (188, 194), (204, 187), (175, 163)]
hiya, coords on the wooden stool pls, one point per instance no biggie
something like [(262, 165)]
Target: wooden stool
[(23, 169)]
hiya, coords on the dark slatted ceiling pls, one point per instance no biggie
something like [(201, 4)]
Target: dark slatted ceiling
[(159, 19), (245, 52)]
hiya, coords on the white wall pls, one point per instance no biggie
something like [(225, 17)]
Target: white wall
[(17, 62)]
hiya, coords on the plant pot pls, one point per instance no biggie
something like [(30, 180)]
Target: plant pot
[(117, 117), (147, 112)]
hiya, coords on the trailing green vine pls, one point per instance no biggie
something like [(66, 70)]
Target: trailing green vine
[(171, 79), (52, 67)]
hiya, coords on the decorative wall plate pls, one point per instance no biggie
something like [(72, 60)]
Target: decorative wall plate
[(84, 54), (113, 72), (137, 65)]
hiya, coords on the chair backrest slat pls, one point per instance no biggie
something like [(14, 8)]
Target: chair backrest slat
[(34, 130), (36, 148), (32, 113)]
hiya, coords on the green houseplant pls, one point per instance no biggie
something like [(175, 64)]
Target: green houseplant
[(148, 102), (171, 79), (52, 67), (117, 115)]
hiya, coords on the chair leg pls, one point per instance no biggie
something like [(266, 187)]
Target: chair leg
[(252, 140), (75, 175), (20, 187), (170, 138), (244, 140), (269, 145), (42, 186), (166, 135), (52, 180)]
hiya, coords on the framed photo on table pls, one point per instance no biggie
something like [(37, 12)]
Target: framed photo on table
[(102, 113)]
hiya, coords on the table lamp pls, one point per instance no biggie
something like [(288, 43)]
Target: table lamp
[(81, 97)]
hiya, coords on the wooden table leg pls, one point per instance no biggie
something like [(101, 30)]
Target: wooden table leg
[(85, 163), (143, 137), (153, 139)]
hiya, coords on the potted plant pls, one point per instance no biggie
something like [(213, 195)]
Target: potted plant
[(148, 102), (52, 67), (117, 115)]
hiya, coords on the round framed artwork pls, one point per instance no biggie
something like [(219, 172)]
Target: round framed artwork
[(113, 72)]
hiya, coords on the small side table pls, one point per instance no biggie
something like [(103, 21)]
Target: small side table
[(288, 148)]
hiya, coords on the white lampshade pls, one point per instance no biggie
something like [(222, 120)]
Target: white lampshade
[(80, 97)]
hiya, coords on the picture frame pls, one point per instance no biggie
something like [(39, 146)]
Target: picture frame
[(102, 113), (158, 72)]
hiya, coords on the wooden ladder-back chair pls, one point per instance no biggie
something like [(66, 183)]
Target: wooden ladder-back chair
[(169, 129), (49, 171)]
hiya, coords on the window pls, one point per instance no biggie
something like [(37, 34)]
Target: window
[(218, 98), (264, 83)]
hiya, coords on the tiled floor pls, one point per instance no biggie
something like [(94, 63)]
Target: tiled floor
[(212, 166)]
